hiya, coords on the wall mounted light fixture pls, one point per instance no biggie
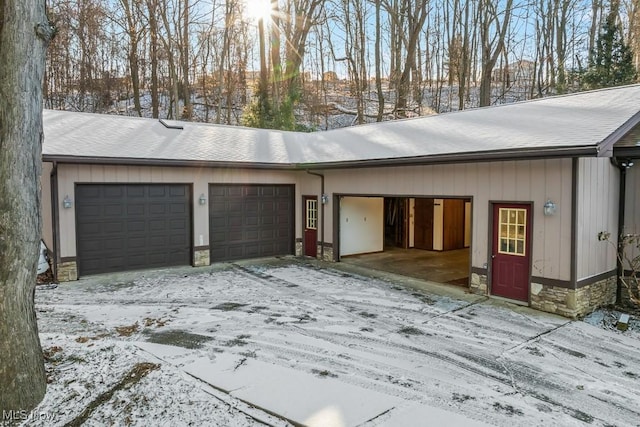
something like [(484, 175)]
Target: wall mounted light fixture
[(549, 207), (67, 203), (626, 163), (324, 199), (202, 200)]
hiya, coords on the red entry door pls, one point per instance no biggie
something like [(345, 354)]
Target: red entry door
[(311, 226), (511, 251)]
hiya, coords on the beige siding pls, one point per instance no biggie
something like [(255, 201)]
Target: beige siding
[(597, 205), (632, 204), (47, 222), (200, 178), (526, 181)]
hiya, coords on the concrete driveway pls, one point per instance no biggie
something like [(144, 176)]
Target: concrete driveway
[(289, 341)]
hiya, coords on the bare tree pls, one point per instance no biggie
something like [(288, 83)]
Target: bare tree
[(132, 28), (24, 34), (408, 16), (492, 37)]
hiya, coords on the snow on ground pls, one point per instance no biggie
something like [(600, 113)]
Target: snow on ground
[(265, 342)]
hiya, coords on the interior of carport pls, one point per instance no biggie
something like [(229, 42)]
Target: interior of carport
[(422, 237)]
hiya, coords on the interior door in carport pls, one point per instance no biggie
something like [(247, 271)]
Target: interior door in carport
[(511, 251)]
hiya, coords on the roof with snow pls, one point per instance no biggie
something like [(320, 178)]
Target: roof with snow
[(581, 124)]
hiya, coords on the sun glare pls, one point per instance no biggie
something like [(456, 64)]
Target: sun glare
[(259, 10)]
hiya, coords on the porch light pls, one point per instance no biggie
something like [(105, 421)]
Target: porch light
[(202, 200), (549, 208), (324, 199), (67, 203)]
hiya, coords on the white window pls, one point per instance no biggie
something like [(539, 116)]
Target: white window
[(312, 214), (513, 231)]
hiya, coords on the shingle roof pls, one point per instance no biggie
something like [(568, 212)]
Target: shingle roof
[(586, 123)]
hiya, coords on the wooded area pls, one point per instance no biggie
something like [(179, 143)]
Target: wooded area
[(316, 64)]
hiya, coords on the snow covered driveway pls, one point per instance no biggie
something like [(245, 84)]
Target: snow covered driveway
[(320, 347)]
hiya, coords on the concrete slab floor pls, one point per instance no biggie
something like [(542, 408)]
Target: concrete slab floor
[(450, 267)]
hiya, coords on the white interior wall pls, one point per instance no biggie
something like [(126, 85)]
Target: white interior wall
[(361, 225)]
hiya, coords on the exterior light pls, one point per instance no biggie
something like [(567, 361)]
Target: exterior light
[(67, 203), (324, 199), (202, 200), (549, 208), (626, 163)]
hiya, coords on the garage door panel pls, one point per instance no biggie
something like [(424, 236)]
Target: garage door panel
[(234, 206), (136, 209), (113, 192), (177, 209), (268, 220), (157, 191), (88, 211), (257, 220), (135, 226), (131, 226), (157, 209), (235, 236), (93, 229), (217, 222), (136, 242), (137, 191), (115, 211)]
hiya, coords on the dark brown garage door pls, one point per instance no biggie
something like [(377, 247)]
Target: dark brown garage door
[(132, 226), (249, 221)]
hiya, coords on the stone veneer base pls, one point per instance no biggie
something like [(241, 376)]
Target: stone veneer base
[(201, 258), (67, 271), (566, 302)]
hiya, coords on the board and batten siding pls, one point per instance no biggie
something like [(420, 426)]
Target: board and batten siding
[(526, 181), (199, 178), (597, 211), (632, 205), (45, 206)]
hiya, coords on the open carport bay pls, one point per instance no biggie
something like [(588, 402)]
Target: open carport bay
[(426, 238), (265, 331)]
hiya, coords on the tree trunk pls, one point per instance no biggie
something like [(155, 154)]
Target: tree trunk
[(378, 60), (184, 56), (24, 34), (153, 35), (132, 57)]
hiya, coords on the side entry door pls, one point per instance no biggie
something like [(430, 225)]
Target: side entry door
[(310, 226), (511, 251)]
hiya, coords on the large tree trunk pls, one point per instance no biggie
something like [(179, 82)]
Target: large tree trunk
[(153, 36), (24, 33)]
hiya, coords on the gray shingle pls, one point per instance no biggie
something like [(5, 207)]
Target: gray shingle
[(578, 120)]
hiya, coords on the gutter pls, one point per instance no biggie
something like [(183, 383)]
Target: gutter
[(477, 156), (322, 217)]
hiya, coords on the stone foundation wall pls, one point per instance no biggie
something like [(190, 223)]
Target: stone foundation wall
[(201, 258), (67, 271), (573, 302), (478, 284), (328, 253)]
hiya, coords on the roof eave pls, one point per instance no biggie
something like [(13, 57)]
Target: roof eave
[(127, 161), (475, 157), (607, 145), (629, 152)]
